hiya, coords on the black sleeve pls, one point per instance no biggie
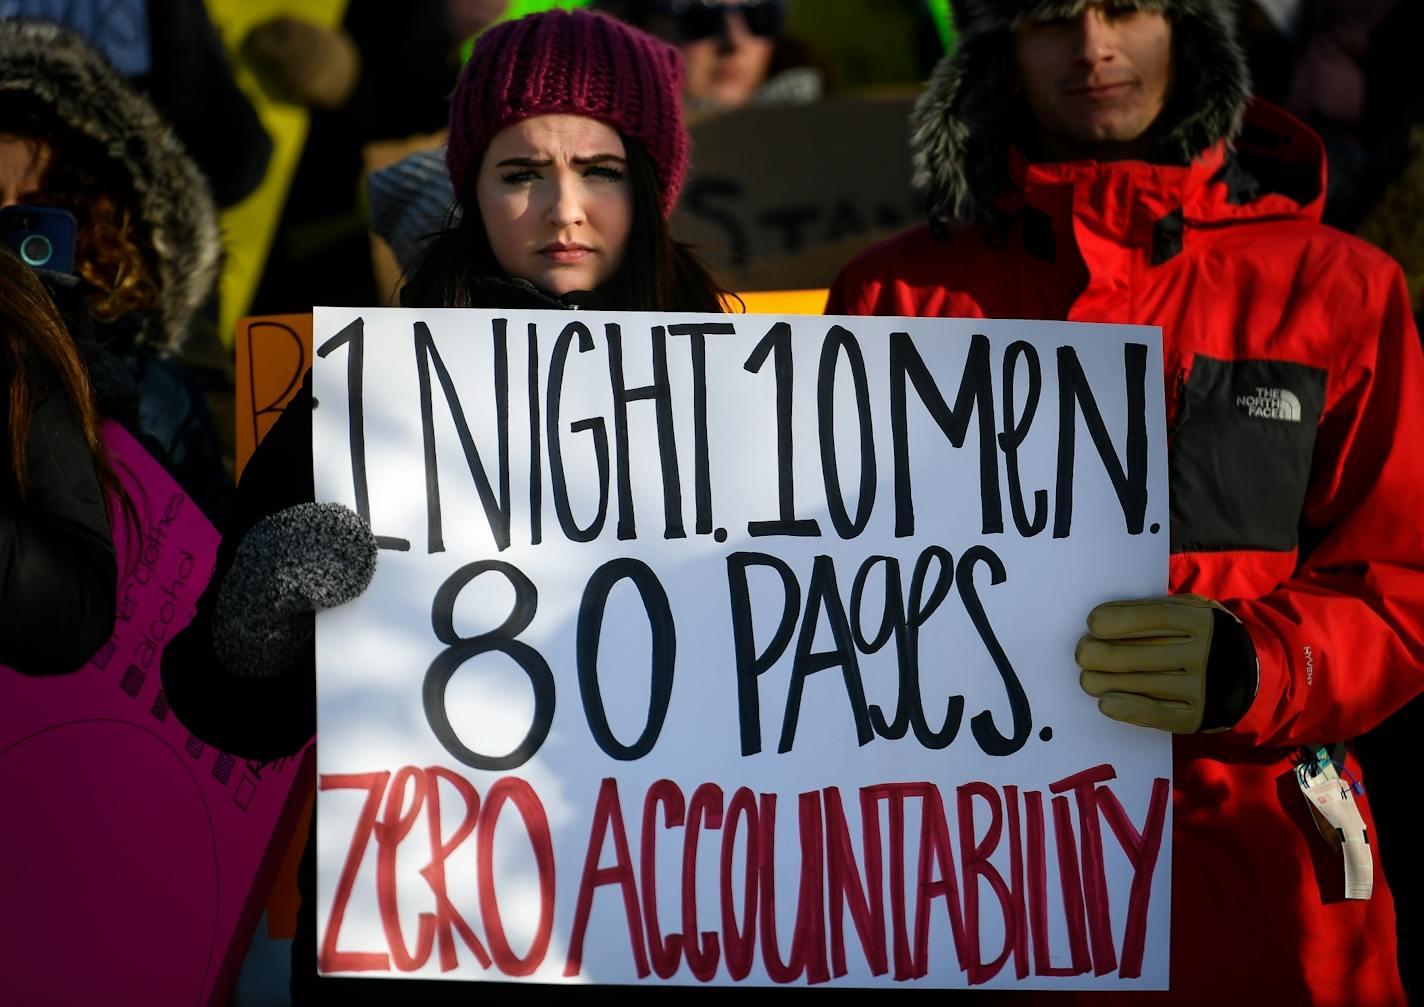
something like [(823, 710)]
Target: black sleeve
[(58, 574), (252, 716)]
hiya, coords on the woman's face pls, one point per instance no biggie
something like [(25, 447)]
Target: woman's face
[(556, 201), (726, 68), (23, 163)]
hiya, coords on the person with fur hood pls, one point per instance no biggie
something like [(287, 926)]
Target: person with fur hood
[(75, 135), (1104, 162)]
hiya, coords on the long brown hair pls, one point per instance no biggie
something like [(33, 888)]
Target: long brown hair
[(33, 336), (659, 273)]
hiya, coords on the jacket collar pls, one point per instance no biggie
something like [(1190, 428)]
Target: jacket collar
[(1277, 170), (1129, 202)]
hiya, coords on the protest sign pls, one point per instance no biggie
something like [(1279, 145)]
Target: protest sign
[(250, 227), (274, 352), (782, 196), (138, 856), (716, 648), (784, 302)]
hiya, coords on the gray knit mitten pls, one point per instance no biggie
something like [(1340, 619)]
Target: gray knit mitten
[(288, 566)]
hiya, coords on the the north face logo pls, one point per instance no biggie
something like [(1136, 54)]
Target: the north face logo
[(1271, 404)]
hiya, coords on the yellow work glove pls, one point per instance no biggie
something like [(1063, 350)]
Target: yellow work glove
[(1182, 664)]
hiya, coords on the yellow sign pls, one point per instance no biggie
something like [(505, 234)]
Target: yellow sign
[(784, 302), (249, 227)]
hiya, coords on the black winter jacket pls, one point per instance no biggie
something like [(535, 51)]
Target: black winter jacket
[(58, 574)]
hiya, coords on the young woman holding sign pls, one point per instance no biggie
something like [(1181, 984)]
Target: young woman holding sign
[(566, 151)]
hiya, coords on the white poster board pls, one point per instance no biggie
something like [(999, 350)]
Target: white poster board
[(738, 649)]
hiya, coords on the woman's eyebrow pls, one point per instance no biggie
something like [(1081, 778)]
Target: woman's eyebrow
[(544, 162)]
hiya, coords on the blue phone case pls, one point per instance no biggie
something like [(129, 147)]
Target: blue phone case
[(42, 236)]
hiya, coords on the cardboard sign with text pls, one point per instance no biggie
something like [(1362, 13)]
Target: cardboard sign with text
[(138, 857), (783, 196), (738, 649), (274, 351)]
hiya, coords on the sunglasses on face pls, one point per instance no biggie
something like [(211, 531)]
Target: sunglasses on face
[(700, 19)]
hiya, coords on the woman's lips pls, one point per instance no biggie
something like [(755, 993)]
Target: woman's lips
[(565, 255)]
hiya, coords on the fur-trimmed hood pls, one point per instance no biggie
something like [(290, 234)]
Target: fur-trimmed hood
[(56, 68), (965, 120)]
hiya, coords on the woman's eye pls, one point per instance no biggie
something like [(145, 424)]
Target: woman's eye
[(605, 172), (519, 177)]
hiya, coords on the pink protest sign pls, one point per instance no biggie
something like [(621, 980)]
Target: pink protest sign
[(136, 858)]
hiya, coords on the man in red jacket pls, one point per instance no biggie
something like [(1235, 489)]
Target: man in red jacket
[(1102, 162)]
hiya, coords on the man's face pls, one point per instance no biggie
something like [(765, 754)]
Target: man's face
[(1096, 81)]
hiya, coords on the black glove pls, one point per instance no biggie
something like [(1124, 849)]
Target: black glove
[(289, 565)]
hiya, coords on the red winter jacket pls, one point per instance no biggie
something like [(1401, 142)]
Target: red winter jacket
[(1304, 518)]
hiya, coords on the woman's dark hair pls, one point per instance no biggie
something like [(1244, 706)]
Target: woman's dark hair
[(670, 276), (33, 338), (659, 273)]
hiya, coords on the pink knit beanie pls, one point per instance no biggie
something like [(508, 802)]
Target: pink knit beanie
[(574, 63)]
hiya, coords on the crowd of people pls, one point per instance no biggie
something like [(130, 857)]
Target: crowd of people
[(1192, 164)]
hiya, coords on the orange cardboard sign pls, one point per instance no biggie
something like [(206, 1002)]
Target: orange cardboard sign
[(273, 353)]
